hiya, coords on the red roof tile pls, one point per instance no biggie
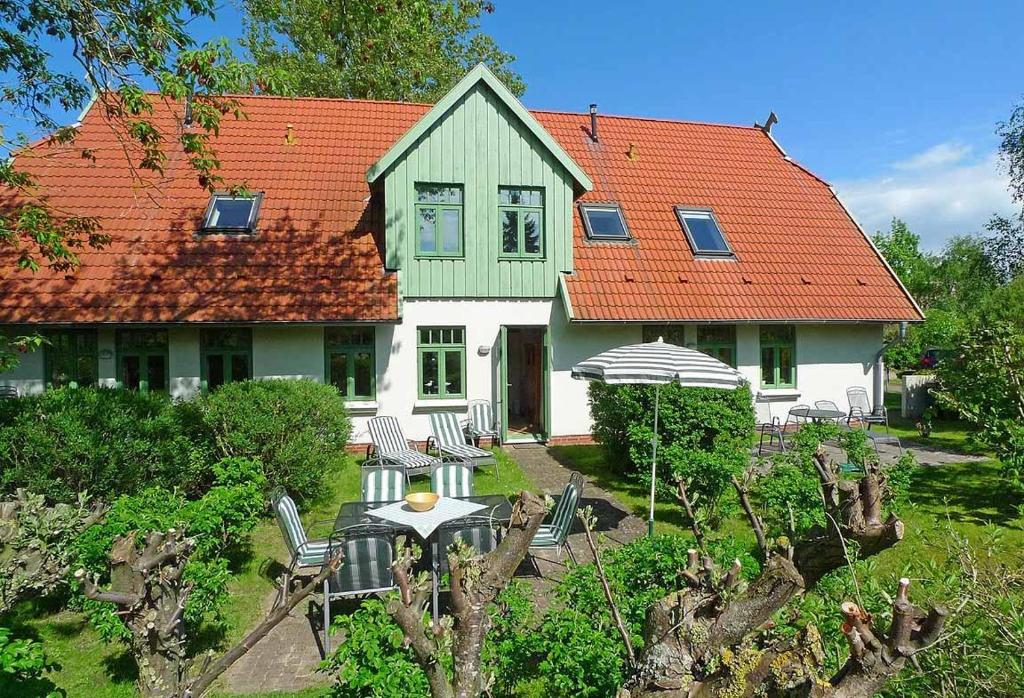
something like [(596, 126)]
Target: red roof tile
[(314, 257), (799, 256)]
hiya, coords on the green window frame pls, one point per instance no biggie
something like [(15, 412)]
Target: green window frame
[(142, 360), (71, 358), (441, 361), (439, 229), (778, 356), (225, 356), (521, 214), (350, 362), (718, 341)]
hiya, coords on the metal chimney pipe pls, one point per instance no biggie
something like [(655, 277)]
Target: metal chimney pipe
[(593, 122)]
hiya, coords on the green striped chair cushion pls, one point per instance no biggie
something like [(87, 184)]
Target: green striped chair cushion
[(554, 534), (475, 531), (481, 418), (452, 480), (383, 484), (386, 434), (288, 521), (450, 439), (366, 566)]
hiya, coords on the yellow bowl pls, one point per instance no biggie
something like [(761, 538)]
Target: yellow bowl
[(421, 501)]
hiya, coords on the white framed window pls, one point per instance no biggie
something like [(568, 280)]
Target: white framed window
[(703, 232), (604, 222), (228, 213)]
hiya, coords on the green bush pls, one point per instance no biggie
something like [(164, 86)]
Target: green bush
[(294, 427), (220, 522), (102, 440), (371, 659), (704, 433)]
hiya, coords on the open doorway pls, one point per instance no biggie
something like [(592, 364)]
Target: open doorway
[(525, 367)]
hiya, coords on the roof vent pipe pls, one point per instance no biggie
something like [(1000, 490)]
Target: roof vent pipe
[(593, 122)]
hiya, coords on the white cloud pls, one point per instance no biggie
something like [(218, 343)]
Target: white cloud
[(940, 192), (937, 156)]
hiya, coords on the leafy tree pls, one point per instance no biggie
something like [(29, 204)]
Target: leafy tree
[(902, 249), (1011, 150), (985, 385), (965, 274), (118, 49), (372, 49), (1006, 247)]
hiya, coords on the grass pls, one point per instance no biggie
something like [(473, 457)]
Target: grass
[(948, 433), (88, 666)]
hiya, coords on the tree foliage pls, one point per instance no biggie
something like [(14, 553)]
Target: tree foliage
[(703, 436), (371, 49)]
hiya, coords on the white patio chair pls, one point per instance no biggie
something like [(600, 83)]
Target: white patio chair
[(382, 483), (303, 551)]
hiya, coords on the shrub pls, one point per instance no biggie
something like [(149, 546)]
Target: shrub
[(704, 433), (371, 659), (294, 427), (102, 440), (23, 664), (220, 522)]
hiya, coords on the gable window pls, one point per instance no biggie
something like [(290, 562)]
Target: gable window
[(351, 368), (142, 359), (703, 233), (778, 356), (442, 362), (225, 356), (70, 358), (521, 212), (604, 222), (439, 220), (232, 214), (718, 341)]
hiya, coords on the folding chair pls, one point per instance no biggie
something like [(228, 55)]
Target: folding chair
[(481, 421), (303, 551), (367, 553), (452, 480), (555, 535), (390, 444), (382, 483), (450, 441)]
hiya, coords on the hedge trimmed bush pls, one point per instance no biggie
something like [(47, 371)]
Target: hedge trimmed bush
[(101, 440), (296, 428), (705, 435)]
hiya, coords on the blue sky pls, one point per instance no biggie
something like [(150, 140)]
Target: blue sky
[(894, 103)]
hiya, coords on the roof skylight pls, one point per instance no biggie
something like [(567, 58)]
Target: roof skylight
[(604, 222), (232, 214), (703, 232)]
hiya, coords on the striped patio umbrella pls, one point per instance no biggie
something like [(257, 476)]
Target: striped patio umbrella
[(658, 363)]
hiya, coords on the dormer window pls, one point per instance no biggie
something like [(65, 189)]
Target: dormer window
[(228, 213), (604, 222), (703, 232)]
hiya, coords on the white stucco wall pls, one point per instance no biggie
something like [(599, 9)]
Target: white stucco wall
[(830, 358), (27, 376)]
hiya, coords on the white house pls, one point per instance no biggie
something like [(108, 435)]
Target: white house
[(419, 257)]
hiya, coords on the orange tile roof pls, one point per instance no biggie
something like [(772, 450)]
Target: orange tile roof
[(315, 257), (799, 256)]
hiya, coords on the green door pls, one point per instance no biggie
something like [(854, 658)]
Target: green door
[(502, 391), (545, 384)]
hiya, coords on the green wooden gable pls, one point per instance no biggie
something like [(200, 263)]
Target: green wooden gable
[(459, 162)]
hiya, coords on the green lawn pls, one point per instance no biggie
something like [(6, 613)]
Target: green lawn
[(966, 497), (948, 433), (91, 667)]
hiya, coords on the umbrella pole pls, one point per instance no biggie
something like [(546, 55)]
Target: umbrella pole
[(654, 460)]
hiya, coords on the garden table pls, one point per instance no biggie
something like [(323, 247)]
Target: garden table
[(817, 415), (426, 524)]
